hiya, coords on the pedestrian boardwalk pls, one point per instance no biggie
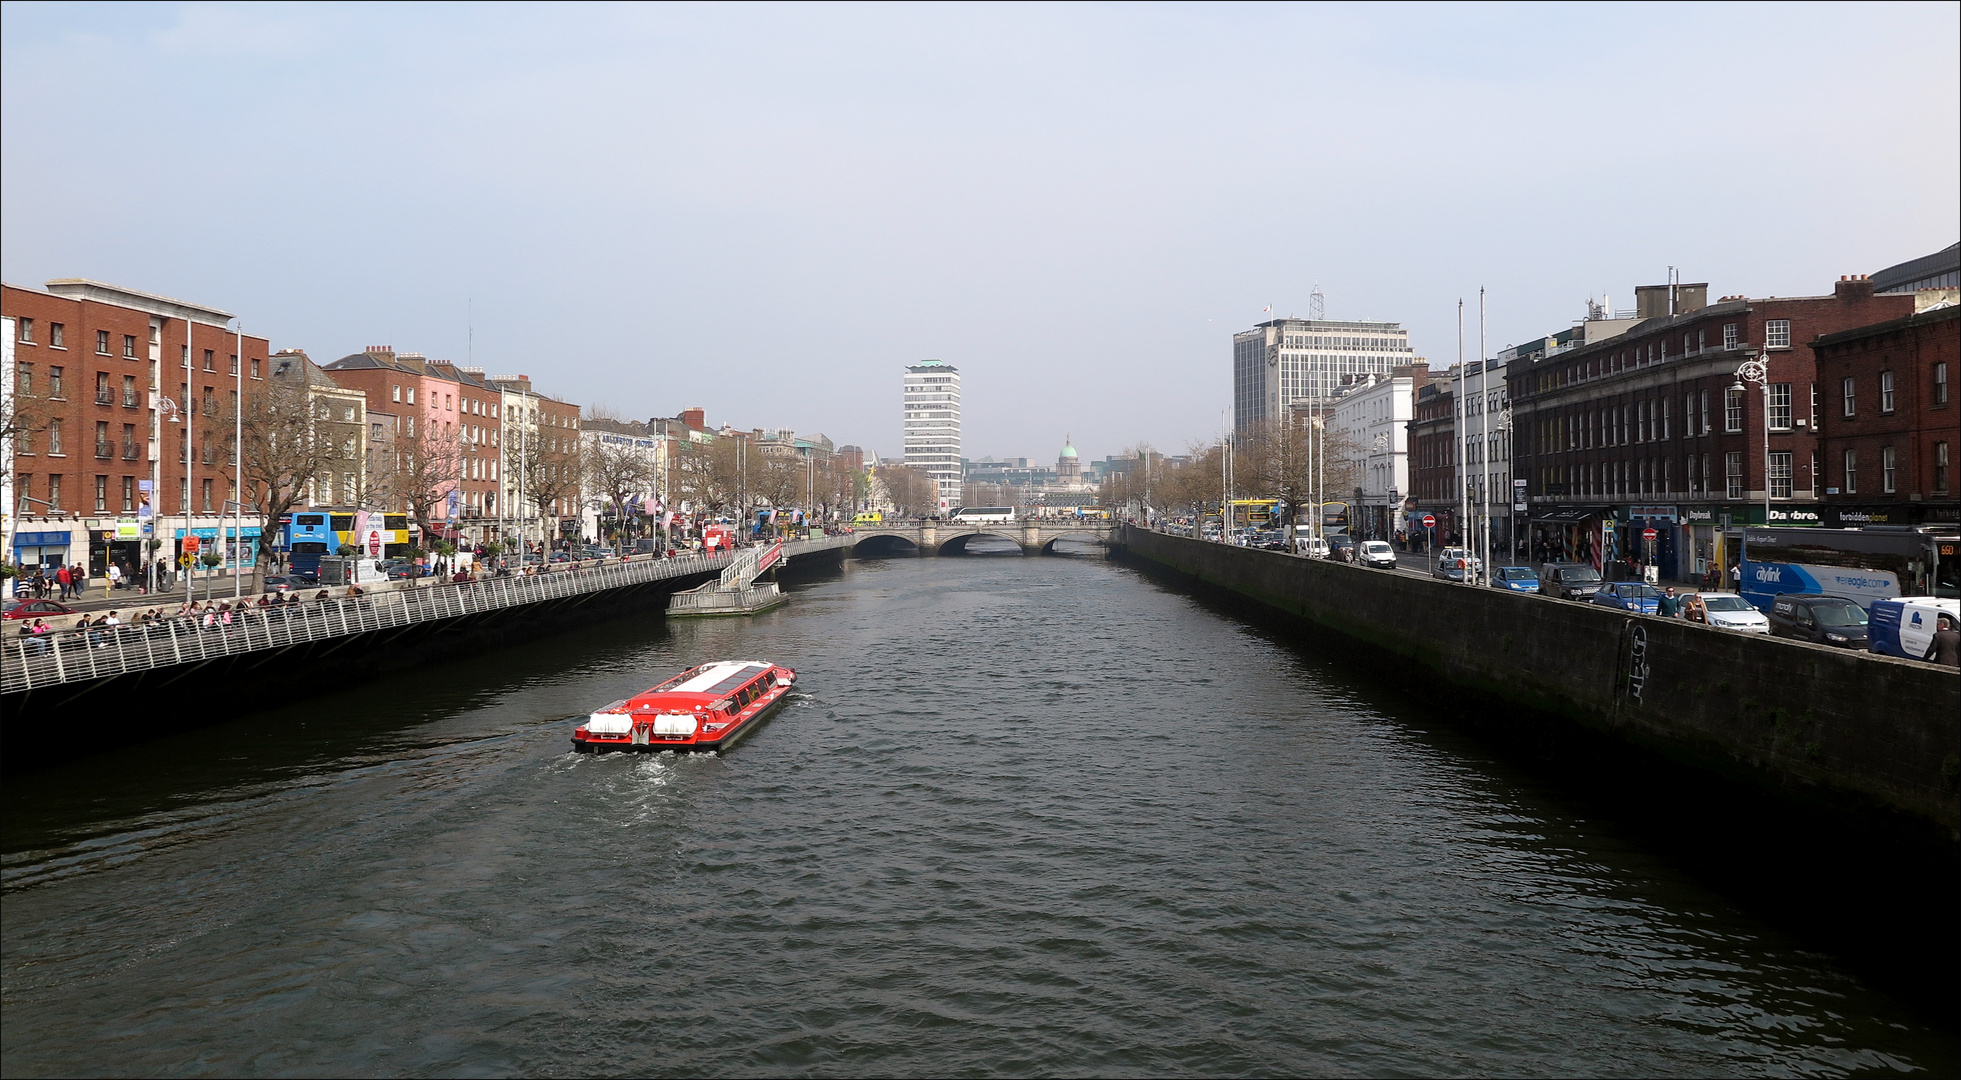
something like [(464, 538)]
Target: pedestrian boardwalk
[(35, 663)]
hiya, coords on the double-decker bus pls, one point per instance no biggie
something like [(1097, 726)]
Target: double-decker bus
[(308, 535), (1257, 512), (1862, 565)]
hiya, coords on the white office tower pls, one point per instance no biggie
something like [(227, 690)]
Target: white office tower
[(933, 425), (1277, 365)]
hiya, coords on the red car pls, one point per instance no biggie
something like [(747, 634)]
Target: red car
[(37, 609)]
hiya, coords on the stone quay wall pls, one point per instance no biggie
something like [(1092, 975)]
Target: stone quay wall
[(1801, 716)]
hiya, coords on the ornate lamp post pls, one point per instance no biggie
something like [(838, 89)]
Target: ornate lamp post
[(1757, 371)]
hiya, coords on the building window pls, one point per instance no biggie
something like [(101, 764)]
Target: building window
[(210, 360), (255, 368), (24, 331), (1733, 474), (1940, 467), (1729, 336), (54, 383), (1940, 382), (234, 365), (1688, 466), (129, 494), (54, 492), (411, 395), (183, 496), (1885, 391), (1777, 334), (1886, 469), (1814, 406), (1849, 396), (1851, 472), (24, 380), (54, 437), (1705, 413), (102, 447), (24, 502), (129, 346), (1732, 411), (1780, 406), (1780, 474), (1814, 474), (55, 335), (129, 391), (101, 494), (207, 496), (102, 342), (395, 393)]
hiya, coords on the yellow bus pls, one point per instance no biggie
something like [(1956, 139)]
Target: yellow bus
[(1253, 511)]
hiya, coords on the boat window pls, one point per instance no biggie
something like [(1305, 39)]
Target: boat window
[(737, 678)]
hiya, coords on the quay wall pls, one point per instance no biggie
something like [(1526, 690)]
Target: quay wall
[(1800, 716)]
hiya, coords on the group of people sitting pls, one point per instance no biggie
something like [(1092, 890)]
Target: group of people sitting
[(195, 615)]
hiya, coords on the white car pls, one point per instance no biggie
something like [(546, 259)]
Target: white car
[(1728, 611), (1313, 547), (1376, 553)]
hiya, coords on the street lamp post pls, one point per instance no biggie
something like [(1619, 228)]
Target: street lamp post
[(1758, 371)]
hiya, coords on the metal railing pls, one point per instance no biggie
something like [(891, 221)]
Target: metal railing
[(77, 655), (720, 599)]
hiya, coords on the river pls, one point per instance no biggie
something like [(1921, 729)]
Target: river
[(1023, 816)]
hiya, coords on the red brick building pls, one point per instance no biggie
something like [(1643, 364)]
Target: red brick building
[(1890, 423), (454, 414), (1433, 456), (1641, 429), (116, 384)]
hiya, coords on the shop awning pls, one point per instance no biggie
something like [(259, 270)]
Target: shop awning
[(1568, 515)]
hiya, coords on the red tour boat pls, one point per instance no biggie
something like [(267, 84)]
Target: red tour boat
[(703, 708)]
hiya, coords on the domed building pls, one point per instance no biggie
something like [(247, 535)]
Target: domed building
[(1068, 469)]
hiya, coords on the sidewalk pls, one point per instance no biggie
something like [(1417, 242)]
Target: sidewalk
[(100, 597)]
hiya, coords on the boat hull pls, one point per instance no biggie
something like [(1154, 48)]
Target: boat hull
[(699, 741)]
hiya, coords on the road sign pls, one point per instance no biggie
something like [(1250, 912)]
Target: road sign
[(1429, 521), (374, 543), (1649, 535)]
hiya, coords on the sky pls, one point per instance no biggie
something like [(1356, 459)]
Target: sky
[(769, 211)]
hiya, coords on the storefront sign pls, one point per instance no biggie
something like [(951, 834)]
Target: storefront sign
[(1795, 517), (40, 539), (1652, 513), (1698, 515), (129, 529)]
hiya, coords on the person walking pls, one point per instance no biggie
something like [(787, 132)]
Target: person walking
[(1669, 607), (115, 576), (1945, 649), (64, 579), (78, 580)]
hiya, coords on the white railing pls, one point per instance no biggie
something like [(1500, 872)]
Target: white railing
[(68, 656), (719, 600)]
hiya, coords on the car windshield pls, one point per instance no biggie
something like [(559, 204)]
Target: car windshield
[(1726, 603), (1580, 573), (1644, 592), (1375, 547), (1838, 614)]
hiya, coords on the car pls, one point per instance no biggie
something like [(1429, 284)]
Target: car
[(1635, 596), (1728, 611), (1818, 617), (1376, 553), (1313, 547), (1455, 562), (1514, 578), (285, 583), (1341, 547), (37, 609), (1569, 581), (561, 556), (401, 572)]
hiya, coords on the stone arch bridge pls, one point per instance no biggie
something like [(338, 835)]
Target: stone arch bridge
[(1034, 536)]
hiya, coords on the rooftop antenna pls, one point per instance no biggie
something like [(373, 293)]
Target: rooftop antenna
[(1317, 304)]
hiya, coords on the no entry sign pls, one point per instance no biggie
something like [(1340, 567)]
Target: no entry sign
[(1429, 521), (1649, 534)]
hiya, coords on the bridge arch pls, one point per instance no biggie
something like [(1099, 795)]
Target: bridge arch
[(885, 546), (957, 543), (1085, 536)]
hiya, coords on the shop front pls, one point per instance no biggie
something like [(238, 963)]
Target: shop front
[(44, 551), (1849, 516), (235, 547), (1664, 552), (1571, 534)]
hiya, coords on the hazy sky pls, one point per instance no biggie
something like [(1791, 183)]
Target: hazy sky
[(769, 211)]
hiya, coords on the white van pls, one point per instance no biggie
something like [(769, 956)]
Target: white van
[(1904, 625), (1312, 547)]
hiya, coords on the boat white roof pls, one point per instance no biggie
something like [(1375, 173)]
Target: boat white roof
[(711, 675)]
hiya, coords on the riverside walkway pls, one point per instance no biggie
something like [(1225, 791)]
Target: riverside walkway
[(79, 656)]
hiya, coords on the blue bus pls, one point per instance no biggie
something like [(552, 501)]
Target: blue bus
[(1862, 565), (308, 535)]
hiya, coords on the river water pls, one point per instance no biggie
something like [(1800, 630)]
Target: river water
[(1024, 816)]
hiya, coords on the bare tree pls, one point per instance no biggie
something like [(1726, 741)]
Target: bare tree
[(707, 474), (910, 490), (616, 472), (551, 468), (1296, 461), (427, 467), (291, 442)]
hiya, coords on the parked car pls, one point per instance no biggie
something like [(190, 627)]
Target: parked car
[(38, 609), (1629, 596), (1728, 611), (1569, 581), (1514, 578), (285, 583), (402, 571), (561, 556), (1827, 620), (1378, 554), (1905, 625), (1455, 562)]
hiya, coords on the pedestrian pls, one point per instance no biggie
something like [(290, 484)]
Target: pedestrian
[(1669, 607), (65, 580), (1736, 578), (1945, 649), (115, 576)]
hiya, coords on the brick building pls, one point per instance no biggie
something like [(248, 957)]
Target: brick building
[(129, 400), (444, 414), (1640, 428), (1889, 424), (1433, 457)]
